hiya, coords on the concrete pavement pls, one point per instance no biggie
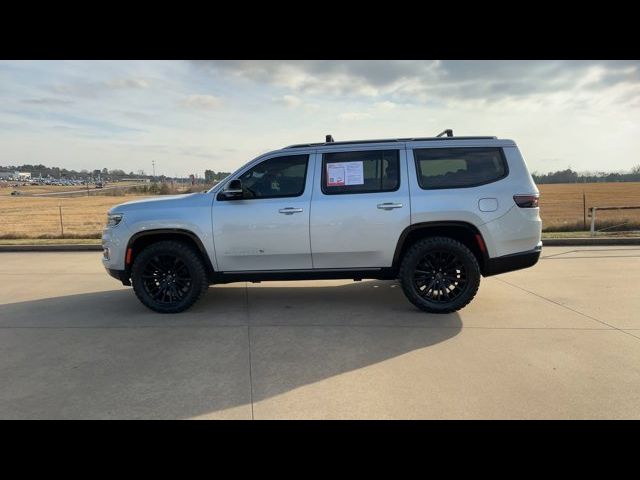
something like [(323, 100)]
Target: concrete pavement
[(559, 340)]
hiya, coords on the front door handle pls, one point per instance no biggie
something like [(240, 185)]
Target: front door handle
[(290, 210), (389, 206)]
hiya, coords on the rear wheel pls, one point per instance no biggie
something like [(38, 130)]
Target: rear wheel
[(439, 275), (168, 276)]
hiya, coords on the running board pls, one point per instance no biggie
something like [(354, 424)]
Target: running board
[(315, 274)]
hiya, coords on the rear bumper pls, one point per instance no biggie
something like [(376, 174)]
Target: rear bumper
[(509, 263), (119, 275)]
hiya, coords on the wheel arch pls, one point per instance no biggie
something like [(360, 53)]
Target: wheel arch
[(142, 239), (464, 232)]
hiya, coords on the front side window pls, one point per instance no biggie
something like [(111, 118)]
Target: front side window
[(276, 177), (458, 167), (360, 172)]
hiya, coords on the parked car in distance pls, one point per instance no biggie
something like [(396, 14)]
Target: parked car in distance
[(435, 213)]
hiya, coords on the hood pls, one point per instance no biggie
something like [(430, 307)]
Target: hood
[(164, 201)]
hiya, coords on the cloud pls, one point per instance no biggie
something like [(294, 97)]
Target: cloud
[(205, 102), (92, 88), (47, 101), (354, 116), (127, 83), (424, 81), (289, 101), (293, 102), (385, 105)]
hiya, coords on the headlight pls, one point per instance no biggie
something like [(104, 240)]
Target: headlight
[(113, 219)]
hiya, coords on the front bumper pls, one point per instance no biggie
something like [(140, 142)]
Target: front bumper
[(509, 263), (115, 240)]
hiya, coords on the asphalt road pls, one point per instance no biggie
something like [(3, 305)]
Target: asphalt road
[(559, 340)]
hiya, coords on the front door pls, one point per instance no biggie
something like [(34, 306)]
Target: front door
[(268, 228)]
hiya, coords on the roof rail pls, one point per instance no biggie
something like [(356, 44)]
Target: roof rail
[(440, 137)]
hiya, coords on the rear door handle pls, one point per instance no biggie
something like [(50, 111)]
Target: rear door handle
[(389, 206), (290, 210)]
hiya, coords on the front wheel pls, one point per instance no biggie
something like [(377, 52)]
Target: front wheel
[(439, 275), (168, 277)]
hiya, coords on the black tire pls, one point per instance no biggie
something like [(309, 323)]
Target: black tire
[(168, 276), (439, 275)]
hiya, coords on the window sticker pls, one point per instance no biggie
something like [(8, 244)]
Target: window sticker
[(335, 174), (345, 173)]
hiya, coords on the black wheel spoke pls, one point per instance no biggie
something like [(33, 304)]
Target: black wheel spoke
[(166, 278), (440, 276)]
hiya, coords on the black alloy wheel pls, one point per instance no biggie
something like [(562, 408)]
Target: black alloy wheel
[(440, 276), (168, 276), (166, 279)]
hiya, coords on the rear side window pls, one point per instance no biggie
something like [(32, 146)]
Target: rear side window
[(459, 167), (360, 172)]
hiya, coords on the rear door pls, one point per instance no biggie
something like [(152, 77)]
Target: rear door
[(360, 207)]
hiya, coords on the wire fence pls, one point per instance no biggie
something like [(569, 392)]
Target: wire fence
[(51, 222), (54, 218), (566, 207)]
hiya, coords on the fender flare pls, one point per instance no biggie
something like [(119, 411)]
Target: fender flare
[(171, 231), (472, 229)]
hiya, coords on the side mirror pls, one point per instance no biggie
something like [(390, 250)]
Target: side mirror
[(233, 190)]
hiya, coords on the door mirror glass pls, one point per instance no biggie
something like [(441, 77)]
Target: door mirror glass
[(233, 190)]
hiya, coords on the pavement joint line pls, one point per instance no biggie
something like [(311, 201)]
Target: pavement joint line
[(246, 297), (599, 256), (50, 273), (568, 308), (604, 250), (315, 325)]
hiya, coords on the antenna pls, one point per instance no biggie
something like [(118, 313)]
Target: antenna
[(448, 132), (328, 139)]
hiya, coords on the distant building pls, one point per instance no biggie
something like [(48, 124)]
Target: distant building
[(16, 175), (137, 180)]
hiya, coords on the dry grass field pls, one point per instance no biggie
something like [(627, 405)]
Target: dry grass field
[(561, 208), (39, 217), (561, 205)]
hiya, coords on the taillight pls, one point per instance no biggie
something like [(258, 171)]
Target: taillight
[(526, 201)]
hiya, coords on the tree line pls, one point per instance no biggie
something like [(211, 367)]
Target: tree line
[(56, 172), (571, 176)]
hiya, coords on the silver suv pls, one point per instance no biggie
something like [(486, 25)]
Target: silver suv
[(434, 213)]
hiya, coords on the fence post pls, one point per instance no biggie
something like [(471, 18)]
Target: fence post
[(584, 211), (593, 221), (61, 224)]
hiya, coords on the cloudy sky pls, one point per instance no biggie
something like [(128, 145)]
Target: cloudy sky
[(192, 115)]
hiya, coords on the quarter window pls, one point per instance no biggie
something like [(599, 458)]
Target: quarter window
[(276, 177), (459, 167), (360, 172)]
